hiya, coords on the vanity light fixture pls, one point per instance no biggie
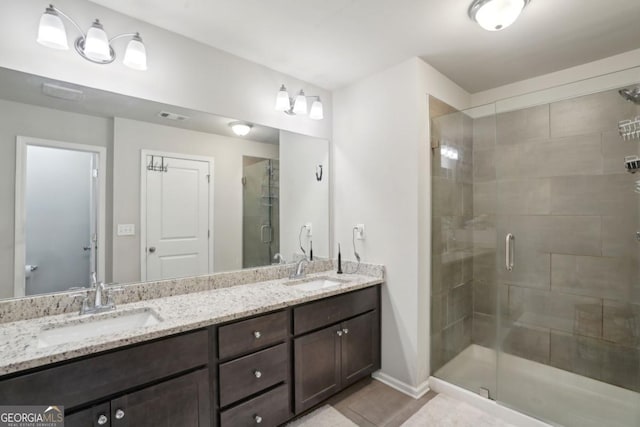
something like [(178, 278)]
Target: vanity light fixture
[(496, 15), (93, 46), (240, 128), (298, 106)]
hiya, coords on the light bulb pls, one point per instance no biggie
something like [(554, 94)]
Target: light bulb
[(283, 103), (316, 112), (300, 106), (240, 128), (96, 44), (135, 56), (496, 15), (51, 31)]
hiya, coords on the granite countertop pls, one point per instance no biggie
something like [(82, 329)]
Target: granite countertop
[(19, 348)]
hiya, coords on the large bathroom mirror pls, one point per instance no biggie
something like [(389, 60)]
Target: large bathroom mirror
[(134, 190)]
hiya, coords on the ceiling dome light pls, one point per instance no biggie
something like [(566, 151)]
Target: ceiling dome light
[(240, 128), (135, 56), (96, 44), (51, 32), (283, 103), (316, 110), (496, 15)]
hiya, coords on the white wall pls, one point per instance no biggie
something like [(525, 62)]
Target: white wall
[(608, 73), (303, 199), (38, 122), (181, 71), (130, 137), (382, 169)]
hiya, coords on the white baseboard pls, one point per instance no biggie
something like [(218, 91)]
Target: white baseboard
[(489, 406), (402, 387)]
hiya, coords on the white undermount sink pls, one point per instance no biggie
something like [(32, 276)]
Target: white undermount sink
[(316, 283), (83, 328)]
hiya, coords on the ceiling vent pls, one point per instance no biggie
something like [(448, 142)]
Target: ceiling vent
[(57, 91), (172, 116)]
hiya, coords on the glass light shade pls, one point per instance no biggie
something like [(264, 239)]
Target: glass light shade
[(240, 128), (300, 105), (96, 44), (51, 31), (282, 100), (136, 54), (496, 15), (316, 112)]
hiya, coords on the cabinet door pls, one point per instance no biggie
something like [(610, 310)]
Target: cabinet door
[(183, 401), (360, 347), (317, 367), (96, 416)]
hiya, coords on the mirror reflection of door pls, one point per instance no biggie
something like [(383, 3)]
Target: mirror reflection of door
[(260, 211), (177, 217), (60, 218)]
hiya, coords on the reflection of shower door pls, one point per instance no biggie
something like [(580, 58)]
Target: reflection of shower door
[(261, 212)]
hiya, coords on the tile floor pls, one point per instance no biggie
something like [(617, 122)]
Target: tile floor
[(369, 403)]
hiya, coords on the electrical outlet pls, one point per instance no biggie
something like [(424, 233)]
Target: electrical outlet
[(126, 229), (309, 227), (359, 230)]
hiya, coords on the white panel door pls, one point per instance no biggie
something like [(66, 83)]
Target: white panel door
[(177, 219)]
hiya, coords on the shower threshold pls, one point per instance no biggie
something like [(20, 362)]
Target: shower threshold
[(547, 393)]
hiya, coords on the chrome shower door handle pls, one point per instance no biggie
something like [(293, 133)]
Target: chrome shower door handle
[(509, 252)]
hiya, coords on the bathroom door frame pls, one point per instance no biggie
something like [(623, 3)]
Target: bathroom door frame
[(20, 247), (143, 203)]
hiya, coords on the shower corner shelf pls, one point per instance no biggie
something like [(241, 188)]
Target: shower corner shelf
[(629, 129)]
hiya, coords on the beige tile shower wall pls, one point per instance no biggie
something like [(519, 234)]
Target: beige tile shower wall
[(452, 259), (554, 177)]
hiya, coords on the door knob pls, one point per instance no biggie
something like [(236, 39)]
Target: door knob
[(152, 249), (258, 419), (257, 373), (102, 419), (119, 414)]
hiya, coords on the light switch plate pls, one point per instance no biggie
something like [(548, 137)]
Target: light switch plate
[(359, 230), (126, 229), (309, 229)]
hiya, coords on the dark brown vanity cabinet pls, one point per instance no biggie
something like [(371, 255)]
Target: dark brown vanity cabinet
[(334, 357), (254, 371), (182, 401), (159, 383)]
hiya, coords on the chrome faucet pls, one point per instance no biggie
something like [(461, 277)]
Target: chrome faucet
[(101, 292), (298, 270), (278, 257)]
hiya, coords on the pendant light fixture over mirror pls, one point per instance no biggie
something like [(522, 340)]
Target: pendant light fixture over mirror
[(298, 106), (95, 45), (496, 15)]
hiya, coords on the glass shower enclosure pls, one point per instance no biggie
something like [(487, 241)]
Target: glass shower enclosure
[(535, 296), (261, 211)]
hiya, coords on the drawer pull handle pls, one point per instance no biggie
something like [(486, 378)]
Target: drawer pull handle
[(258, 419), (119, 414), (346, 331), (339, 333), (102, 420), (257, 334), (257, 373)]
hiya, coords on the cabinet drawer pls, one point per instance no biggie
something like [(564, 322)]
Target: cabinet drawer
[(272, 408), (252, 334), (93, 378), (332, 310), (250, 374)]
